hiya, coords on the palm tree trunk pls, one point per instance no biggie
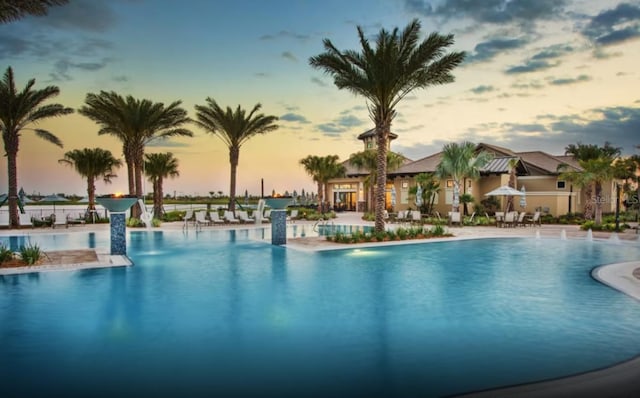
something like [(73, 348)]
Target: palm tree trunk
[(588, 204), (14, 219), (598, 192), (234, 156), (455, 206), (91, 192), (320, 197), (382, 134), (136, 210), (157, 205)]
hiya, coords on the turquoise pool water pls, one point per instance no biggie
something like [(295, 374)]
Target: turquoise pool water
[(224, 313)]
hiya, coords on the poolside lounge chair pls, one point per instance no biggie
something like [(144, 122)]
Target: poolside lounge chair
[(230, 217), (520, 220), (187, 217), (58, 219), (215, 218), (71, 220), (243, 216), (510, 219), (201, 219)]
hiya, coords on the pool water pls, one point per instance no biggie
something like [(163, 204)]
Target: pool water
[(224, 313)]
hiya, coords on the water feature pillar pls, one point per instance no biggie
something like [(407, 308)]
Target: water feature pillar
[(117, 206), (278, 219)]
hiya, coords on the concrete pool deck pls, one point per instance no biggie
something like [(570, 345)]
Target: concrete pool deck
[(620, 380)]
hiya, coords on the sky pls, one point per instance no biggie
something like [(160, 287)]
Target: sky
[(538, 75)]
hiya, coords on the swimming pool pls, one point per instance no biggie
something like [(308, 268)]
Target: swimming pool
[(224, 313)]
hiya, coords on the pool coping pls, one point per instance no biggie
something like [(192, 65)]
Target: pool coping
[(105, 260)]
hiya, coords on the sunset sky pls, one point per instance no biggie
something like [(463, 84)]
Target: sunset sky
[(539, 75)]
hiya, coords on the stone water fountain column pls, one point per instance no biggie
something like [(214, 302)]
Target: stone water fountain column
[(278, 219), (117, 206)]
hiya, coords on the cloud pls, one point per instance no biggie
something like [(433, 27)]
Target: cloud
[(554, 51), (288, 55), (490, 11), (342, 124), (568, 80), (483, 89), (292, 117), (166, 143), (615, 25), (285, 34), (529, 67), (487, 50), (62, 68)]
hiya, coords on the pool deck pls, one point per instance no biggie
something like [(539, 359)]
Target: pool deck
[(616, 381)]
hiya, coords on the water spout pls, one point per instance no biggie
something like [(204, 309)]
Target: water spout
[(614, 238), (563, 235), (589, 235)]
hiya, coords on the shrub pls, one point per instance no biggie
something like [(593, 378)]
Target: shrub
[(401, 233), (5, 254), (30, 254), (437, 230), (172, 216), (156, 222), (380, 236)]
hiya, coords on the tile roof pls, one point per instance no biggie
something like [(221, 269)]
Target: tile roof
[(372, 133), (424, 165), (546, 163)]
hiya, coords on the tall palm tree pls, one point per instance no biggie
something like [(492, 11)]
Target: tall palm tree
[(585, 153), (594, 173), (135, 123), (386, 73), (157, 167), (368, 161), (234, 128), (12, 10), (322, 169), (92, 164), (19, 109), (460, 161)]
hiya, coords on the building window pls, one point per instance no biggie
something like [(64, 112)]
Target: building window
[(369, 145), (449, 183), (560, 185)]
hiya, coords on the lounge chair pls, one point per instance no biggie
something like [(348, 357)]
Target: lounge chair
[(510, 219), (187, 217), (230, 217), (261, 218), (215, 218), (201, 219), (58, 219), (71, 220), (401, 216), (520, 220), (267, 214), (243, 216)]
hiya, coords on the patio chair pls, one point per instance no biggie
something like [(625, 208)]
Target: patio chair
[(520, 221), (499, 218), (187, 217), (230, 217), (455, 218), (533, 220), (510, 219), (416, 217), (79, 220), (58, 219)]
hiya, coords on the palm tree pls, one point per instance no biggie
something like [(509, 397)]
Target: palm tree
[(19, 109), (384, 75), (322, 169), (368, 161), (157, 167), (135, 123), (12, 10), (460, 161), (234, 128), (91, 164), (585, 153), (594, 173)]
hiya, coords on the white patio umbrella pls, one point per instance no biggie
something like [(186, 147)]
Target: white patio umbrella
[(393, 196), (504, 190), (523, 198)]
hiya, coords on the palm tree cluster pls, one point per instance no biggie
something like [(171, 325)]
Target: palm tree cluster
[(322, 169), (12, 10), (384, 74), (368, 161)]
